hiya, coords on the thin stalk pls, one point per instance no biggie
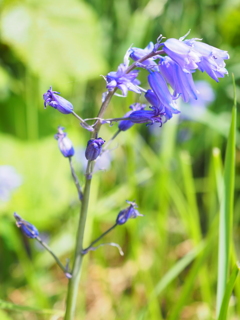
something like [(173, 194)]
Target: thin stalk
[(83, 123), (65, 270), (99, 238), (76, 181), (107, 244), (110, 140)]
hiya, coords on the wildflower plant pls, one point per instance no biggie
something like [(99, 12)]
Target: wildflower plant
[(171, 65)]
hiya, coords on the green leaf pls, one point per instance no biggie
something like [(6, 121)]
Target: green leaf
[(226, 211), (58, 40)]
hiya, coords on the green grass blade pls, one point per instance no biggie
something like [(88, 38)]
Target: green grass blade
[(15, 307), (228, 292), (226, 212), (190, 282), (178, 268)]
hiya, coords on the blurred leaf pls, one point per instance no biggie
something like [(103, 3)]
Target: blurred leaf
[(58, 40), (47, 188), (3, 315), (228, 292)]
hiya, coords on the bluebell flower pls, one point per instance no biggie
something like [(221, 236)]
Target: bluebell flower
[(122, 80), (127, 124), (211, 58), (94, 148), (206, 96), (9, 181), (166, 103), (147, 116), (186, 57), (181, 82), (153, 100), (64, 143), (27, 228), (129, 213), (137, 53), (51, 98)]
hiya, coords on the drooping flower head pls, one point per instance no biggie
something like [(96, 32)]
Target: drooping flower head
[(211, 58), (192, 54), (27, 228), (182, 54), (52, 98), (64, 143), (147, 116), (122, 80), (127, 124), (94, 148), (129, 213)]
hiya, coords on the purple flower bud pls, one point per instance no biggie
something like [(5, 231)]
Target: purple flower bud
[(127, 124), (27, 228), (152, 99), (94, 148), (147, 116), (64, 143), (51, 98), (128, 213)]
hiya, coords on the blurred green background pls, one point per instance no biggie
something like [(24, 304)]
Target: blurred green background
[(169, 171)]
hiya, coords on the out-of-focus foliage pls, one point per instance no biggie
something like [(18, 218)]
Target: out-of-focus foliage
[(169, 171)]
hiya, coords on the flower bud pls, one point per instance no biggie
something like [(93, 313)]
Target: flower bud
[(64, 143), (94, 148), (128, 213), (52, 99), (124, 125), (27, 228)]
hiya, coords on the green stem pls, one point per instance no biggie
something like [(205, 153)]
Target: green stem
[(99, 238), (78, 257), (54, 256), (76, 181)]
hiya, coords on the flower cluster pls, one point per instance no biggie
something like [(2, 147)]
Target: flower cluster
[(171, 63), (170, 66)]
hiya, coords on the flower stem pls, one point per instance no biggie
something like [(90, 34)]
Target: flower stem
[(76, 181), (99, 238), (78, 256), (65, 270)]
